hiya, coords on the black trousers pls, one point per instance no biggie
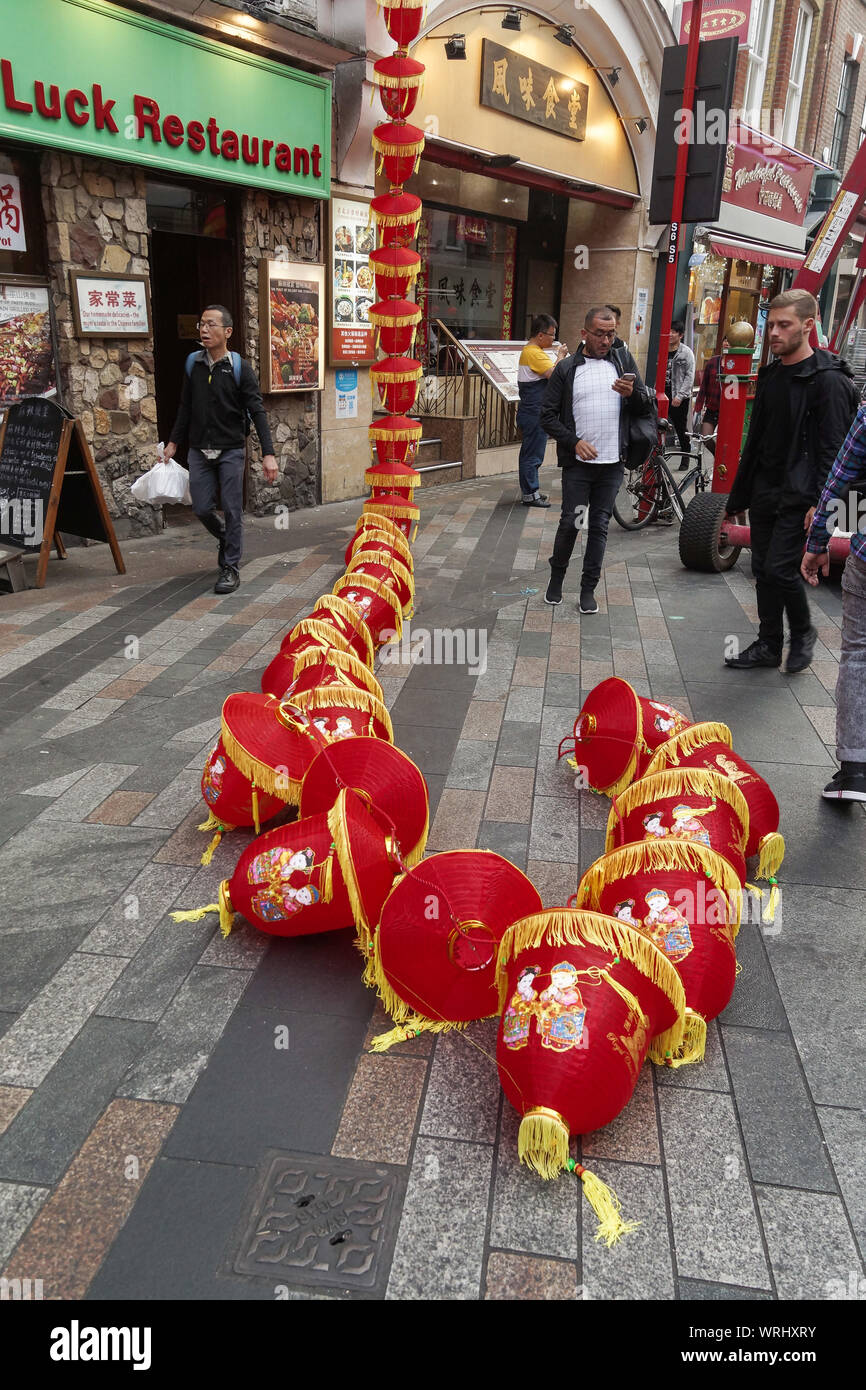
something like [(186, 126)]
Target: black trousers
[(777, 549), (679, 415), (588, 494)]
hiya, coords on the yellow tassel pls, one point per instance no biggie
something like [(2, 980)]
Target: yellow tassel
[(227, 916), (697, 736), (413, 1025), (256, 822), (194, 914), (211, 823), (682, 781), (346, 664), (692, 1049), (606, 1206), (542, 1142), (209, 852), (339, 831), (326, 879), (768, 912), (771, 852)]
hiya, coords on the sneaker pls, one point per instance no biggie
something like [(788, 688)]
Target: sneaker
[(800, 652), (588, 602), (554, 590), (848, 784), (539, 500), (221, 553), (758, 653), (228, 581)]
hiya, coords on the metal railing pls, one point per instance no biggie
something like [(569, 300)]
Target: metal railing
[(453, 385)]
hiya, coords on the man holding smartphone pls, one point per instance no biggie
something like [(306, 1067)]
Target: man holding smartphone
[(590, 400)]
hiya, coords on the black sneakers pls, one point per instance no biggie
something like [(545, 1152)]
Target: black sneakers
[(228, 581), (538, 500), (757, 654), (588, 602), (554, 590), (848, 784), (800, 652)]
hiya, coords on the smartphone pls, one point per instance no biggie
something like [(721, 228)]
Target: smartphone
[(628, 376)]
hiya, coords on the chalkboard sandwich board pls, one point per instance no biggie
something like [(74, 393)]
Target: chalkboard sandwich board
[(49, 483)]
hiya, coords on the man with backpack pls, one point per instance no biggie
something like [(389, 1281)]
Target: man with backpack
[(804, 404), (220, 395)]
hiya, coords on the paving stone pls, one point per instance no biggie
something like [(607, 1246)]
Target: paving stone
[(311, 974), (185, 1037), (378, 1120), (56, 786), (555, 882), (86, 793), (845, 1136), (472, 765), (12, 1099), (48, 1025), (633, 1136), (505, 838), (120, 808), (756, 1002), (518, 744), (494, 683), (811, 1249), (639, 1266), (715, 1225), (432, 748), (698, 1290), (39, 1145), (457, 820), (127, 924), (29, 959), (750, 708), (158, 970), (168, 809), (525, 704), (709, 1075), (528, 1215), (440, 1244), (824, 839), (242, 949), (462, 1099), (555, 834), (521, 1278), (19, 1203), (510, 794)]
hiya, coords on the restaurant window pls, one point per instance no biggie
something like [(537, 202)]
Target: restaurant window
[(844, 102), (22, 241), (467, 275), (797, 74), (760, 29)]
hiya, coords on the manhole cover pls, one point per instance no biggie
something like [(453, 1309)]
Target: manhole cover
[(321, 1221)]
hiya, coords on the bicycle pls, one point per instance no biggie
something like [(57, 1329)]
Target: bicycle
[(650, 493)]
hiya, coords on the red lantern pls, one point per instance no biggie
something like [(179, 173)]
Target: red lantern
[(376, 602), (380, 523), (232, 799), (398, 145), (382, 566), (397, 217), (397, 381), (399, 81), (687, 900), (708, 746), (403, 19), (385, 779), (396, 438), (314, 671), (404, 514), (394, 477), (396, 268), (337, 613), (395, 321), (436, 945), (685, 805), (581, 996), (616, 733)]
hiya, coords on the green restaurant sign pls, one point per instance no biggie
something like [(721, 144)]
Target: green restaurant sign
[(90, 78)]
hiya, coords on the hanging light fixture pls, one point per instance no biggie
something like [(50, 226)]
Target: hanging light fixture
[(512, 20), (455, 46), (565, 34)]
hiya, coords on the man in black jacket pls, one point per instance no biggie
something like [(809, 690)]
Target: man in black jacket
[(214, 407), (803, 406), (590, 400)]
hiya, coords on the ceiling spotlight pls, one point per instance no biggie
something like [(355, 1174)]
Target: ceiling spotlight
[(612, 74), (502, 161), (512, 20), (641, 124), (455, 46), (565, 34)]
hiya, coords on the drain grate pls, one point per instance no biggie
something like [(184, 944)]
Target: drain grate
[(321, 1222)]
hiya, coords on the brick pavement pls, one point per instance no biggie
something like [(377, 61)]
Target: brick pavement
[(140, 1088)]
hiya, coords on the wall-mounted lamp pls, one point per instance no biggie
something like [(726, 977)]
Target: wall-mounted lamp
[(512, 20), (502, 161), (455, 46), (612, 74), (642, 122)]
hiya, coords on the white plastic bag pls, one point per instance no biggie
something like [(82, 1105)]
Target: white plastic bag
[(164, 483)]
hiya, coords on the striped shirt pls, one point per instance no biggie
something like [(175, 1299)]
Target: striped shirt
[(848, 470), (596, 407)]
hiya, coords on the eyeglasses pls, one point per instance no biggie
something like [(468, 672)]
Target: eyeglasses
[(209, 323), (595, 333)]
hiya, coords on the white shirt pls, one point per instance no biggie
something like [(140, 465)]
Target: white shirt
[(596, 407)]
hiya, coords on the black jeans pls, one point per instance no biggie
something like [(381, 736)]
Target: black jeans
[(679, 415), (593, 486), (215, 482), (777, 549)]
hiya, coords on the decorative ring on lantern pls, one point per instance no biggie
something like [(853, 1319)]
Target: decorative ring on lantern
[(351, 669), (462, 942)]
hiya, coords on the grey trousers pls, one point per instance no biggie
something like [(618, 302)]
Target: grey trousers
[(220, 480), (851, 685)]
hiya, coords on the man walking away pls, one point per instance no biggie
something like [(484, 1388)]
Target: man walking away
[(709, 398), (532, 373), (848, 472), (803, 406), (220, 392), (679, 380), (590, 400)]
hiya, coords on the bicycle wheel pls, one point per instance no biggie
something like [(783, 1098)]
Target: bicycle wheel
[(687, 487), (638, 498), (671, 490)]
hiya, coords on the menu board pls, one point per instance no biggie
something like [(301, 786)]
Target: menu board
[(109, 306), (353, 287), (498, 362), (27, 365), (28, 457), (291, 304)]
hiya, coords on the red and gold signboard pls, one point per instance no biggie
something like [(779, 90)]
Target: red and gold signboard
[(720, 19), (763, 176)]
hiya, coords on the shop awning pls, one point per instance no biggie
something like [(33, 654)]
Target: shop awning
[(736, 248)]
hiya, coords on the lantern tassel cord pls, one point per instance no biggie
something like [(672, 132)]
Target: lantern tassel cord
[(605, 1204)]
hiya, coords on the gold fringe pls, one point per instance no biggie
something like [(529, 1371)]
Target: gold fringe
[(347, 697), (287, 789), (384, 320), (397, 219), (397, 151), (346, 663), (395, 272), (227, 916), (194, 914), (559, 927), (255, 803), (414, 1025), (326, 878), (542, 1142), (377, 533), (771, 852), (388, 377), (391, 509), (407, 480), (693, 1047), (681, 745), (212, 823), (691, 781), (380, 589), (653, 856), (322, 632), (406, 79), (343, 608), (606, 1206), (339, 830), (209, 852), (768, 913), (381, 557)]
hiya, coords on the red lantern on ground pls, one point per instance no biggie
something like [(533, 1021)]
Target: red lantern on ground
[(382, 566), (708, 746), (436, 946), (231, 799), (377, 603), (403, 514), (616, 733), (397, 217), (314, 671), (378, 522), (396, 379), (339, 614), (581, 996), (385, 779), (396, 322), (403, 19), (688, 805), (687, 899), (399, 79), (398, 145), (396, 269)]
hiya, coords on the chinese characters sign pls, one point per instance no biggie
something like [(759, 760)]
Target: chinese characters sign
[(521, 87), (761, 177), (719, 20), (27, 366), (11, 215), (109, 306), (352, 284)]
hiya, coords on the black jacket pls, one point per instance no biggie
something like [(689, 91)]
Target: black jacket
[(213, 410), (824, 401), (557, 411)]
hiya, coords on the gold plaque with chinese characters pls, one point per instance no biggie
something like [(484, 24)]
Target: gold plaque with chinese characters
[(521, 87)]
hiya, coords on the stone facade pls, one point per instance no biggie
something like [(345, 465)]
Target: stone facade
[(96, 219)]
